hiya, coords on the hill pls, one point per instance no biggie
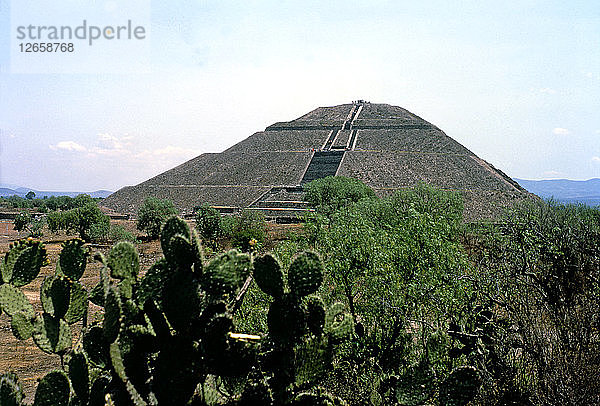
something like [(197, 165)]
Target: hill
[(12, 190), (565, 191)]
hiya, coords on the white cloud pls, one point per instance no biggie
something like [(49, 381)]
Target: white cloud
[(561, 131), (68, 146), (553, 174), (113, 151), (596, 159), (548, 90)]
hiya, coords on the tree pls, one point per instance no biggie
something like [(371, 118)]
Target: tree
[(30, 195), (25, 221), (153, 213), (208, 223), (332, 193), (88, 221)]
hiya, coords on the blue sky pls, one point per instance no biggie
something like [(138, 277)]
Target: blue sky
[(518, 83)]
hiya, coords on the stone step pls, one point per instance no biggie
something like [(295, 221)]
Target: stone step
[(293, 204), (322, 164)]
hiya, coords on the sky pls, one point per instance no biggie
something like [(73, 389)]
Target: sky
[(516, 82)]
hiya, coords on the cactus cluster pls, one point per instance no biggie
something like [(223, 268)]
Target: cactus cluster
[(301, 331), (168, 337)]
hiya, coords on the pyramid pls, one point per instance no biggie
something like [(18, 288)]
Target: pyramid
[(386, 147)]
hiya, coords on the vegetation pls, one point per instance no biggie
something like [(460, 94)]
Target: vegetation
[(375, 302), (333, 193), (24, 221), (208, 224), (169, 337), (87, 221), (152, 215), (247, 230), (46, 204)]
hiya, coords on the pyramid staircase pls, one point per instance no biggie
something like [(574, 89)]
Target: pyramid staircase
[(286, 204)]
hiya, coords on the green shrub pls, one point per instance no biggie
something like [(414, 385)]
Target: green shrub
[(541, 271), (249, 230), (332, 193), (26, 222), (119, 233), (87, 221), (208, 223), (152, 215)]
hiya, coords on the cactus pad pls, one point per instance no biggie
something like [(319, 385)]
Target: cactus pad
[(123, 261), (80, 376), (315, 310), (98, 391), (55, 295), (305, 274), (53, 390), (12, 300), (180, 300), (23, 262), (338, 323), (460, 387), (96, 295), (78, 303), (112, 315), (21, 325), (11, 393), (226, 273), (51, 335), (173, 226), (268, 275), (286, 320), (72, 259), (152, 283), (95, 347)]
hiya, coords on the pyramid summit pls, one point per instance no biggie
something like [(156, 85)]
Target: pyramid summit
[(386, 147)]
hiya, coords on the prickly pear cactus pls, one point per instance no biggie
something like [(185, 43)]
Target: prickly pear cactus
[(22, 263), (181, 247), (170, 332), (72, 259), (11, 393), (53, 390), (123, 261), (460, 387), (338, 322), (268, 275), (226, 273), (305, 274)]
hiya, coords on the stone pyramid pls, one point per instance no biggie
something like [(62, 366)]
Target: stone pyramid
[(387, 147)]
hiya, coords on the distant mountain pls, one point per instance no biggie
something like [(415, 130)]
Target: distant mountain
[(11, 190), (565, 191)]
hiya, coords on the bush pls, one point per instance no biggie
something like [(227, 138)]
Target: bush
[(332, 193), (119, 233), (399, 266), (87, 221), (152, 214), (249, 230), (33, 225), (208, 223), (541, 271)]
